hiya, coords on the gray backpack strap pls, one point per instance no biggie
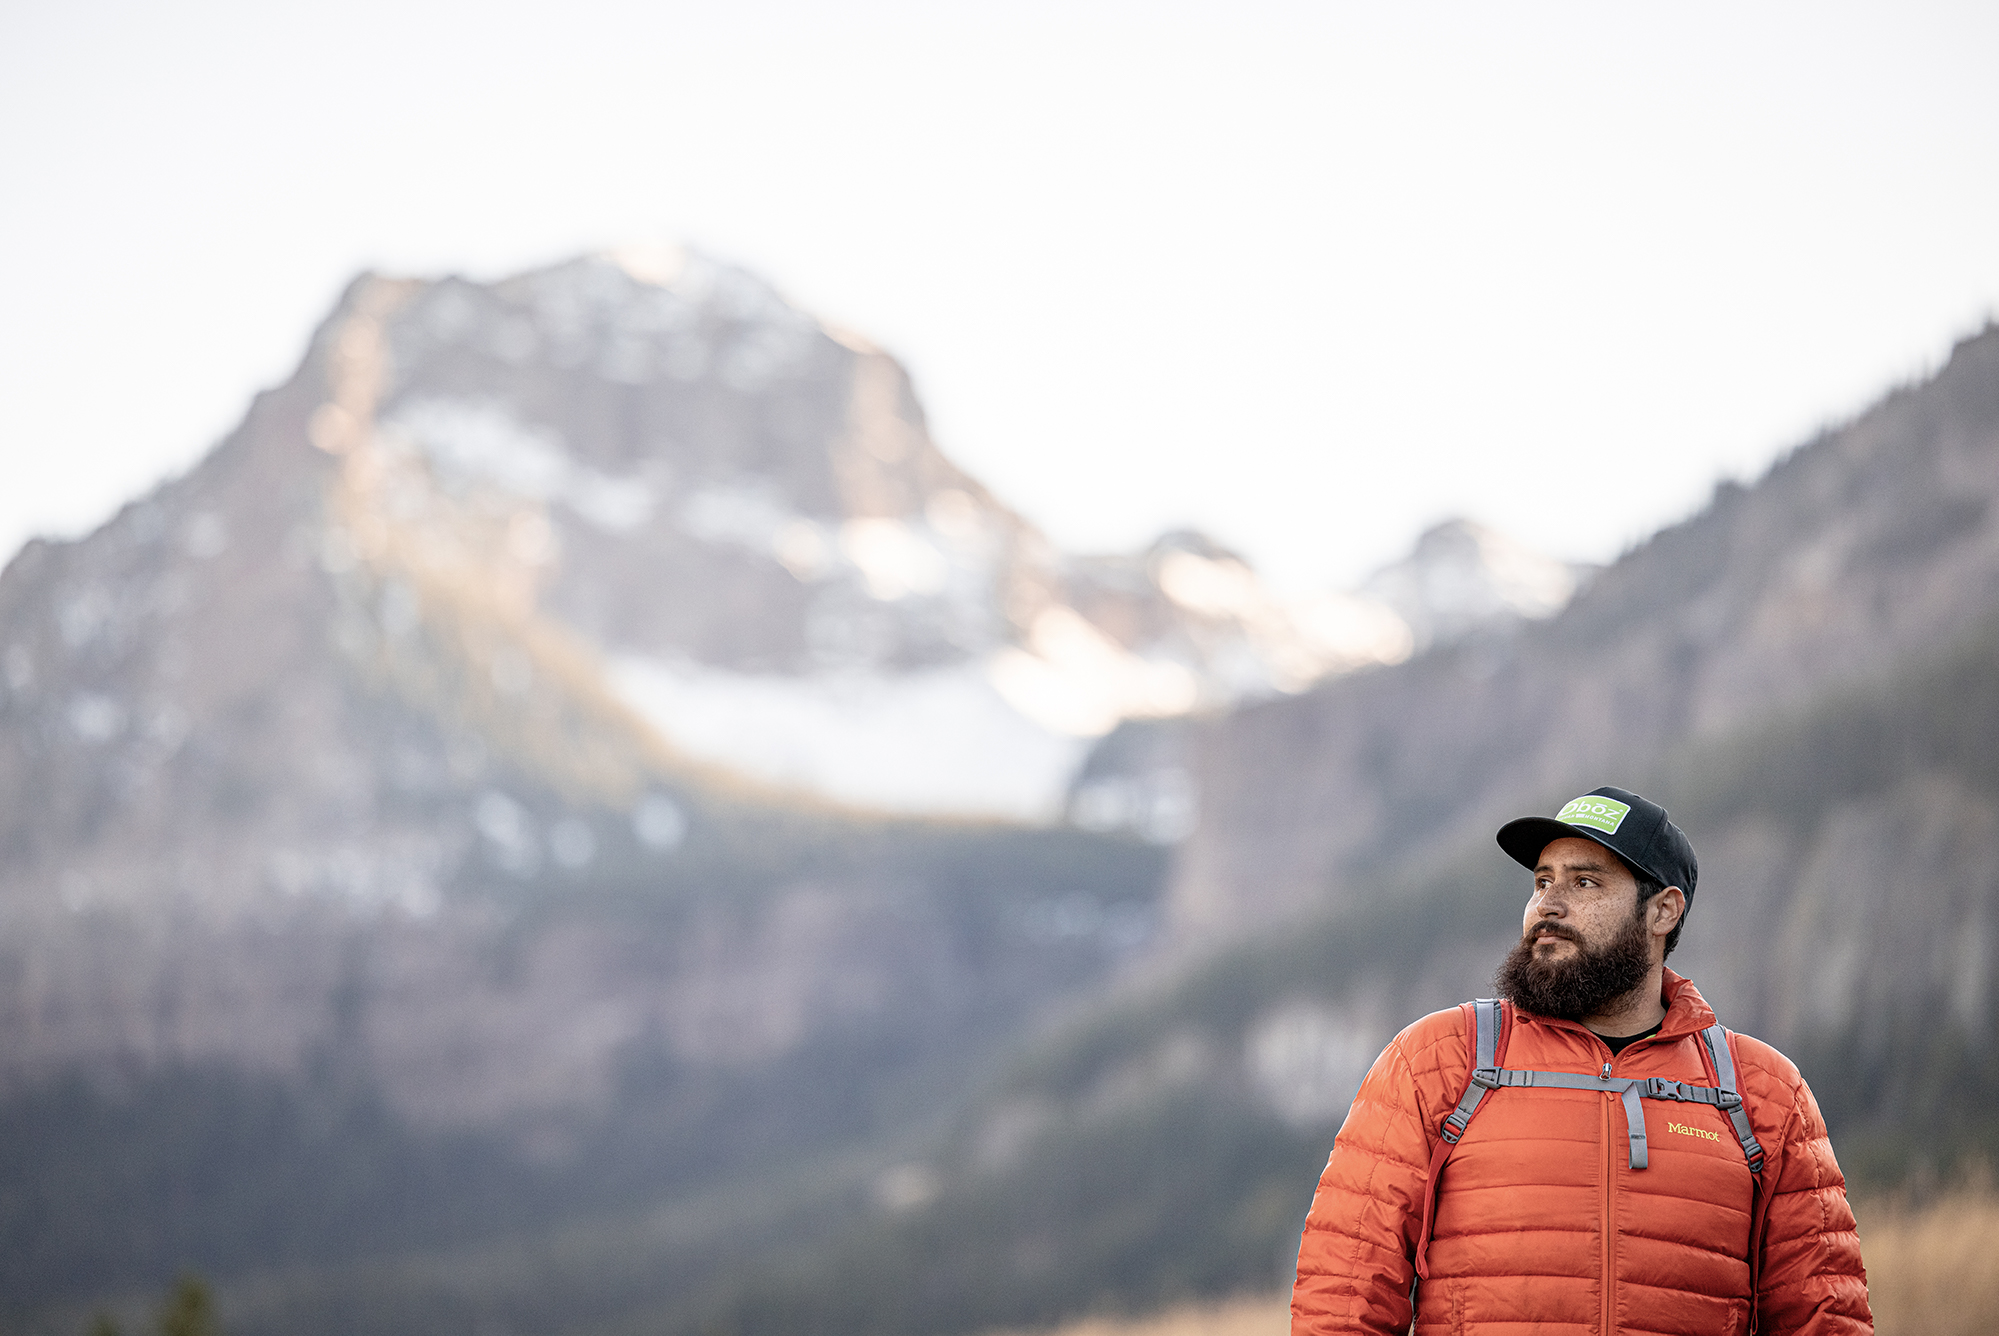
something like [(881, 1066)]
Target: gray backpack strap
[(1634, 1126), (1485, 1067), (1486, 1020), (1730, 1101), (1487, 1074), (1628, 1089)]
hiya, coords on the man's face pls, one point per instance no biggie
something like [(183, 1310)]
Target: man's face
[(1586, 942), (1583, 897)]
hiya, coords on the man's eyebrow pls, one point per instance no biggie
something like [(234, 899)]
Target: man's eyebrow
[(1580, 867)]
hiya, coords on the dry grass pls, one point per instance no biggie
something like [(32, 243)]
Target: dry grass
[(1931, 1271)]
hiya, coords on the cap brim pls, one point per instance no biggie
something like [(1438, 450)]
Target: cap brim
[(1523, 840)]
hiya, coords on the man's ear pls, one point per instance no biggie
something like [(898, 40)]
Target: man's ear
[(1666, 910)]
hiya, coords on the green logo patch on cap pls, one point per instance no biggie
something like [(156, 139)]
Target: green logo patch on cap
[(1595, 811)]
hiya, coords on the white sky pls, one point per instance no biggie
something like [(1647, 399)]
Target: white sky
[(1307, 276)]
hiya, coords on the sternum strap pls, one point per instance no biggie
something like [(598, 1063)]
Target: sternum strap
[(1630, 1088)]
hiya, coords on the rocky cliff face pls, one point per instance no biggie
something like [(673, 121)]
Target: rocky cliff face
[(528, 727), (742, 515), (517, 591), (616, 576)]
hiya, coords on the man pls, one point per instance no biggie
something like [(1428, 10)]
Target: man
[(1554, 1208)]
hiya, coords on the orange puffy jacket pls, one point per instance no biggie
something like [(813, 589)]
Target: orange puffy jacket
[(1541, 1223)]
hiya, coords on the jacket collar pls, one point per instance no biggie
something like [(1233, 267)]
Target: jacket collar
[(1687, 1012)]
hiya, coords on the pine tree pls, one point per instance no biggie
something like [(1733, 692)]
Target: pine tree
[(188, 1310)]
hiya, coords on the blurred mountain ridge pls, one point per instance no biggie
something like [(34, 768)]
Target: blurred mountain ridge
[(527, 767), (1806, 674), (1464, 579), (508, 754), (1463, 584), (328, 750), (1869, 547), (522, 583)]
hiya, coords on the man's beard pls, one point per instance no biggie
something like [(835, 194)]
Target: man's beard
[(1582, 984)]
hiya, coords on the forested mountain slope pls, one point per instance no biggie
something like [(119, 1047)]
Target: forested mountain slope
[(1806, 674)]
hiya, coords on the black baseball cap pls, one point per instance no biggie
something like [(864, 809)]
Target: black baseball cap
[(1637, 831)]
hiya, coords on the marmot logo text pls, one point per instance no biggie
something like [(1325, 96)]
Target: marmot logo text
[(1686, 1131)]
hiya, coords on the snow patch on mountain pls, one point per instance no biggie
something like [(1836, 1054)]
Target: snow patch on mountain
[(475, 442), (1463, 578), (1073, 679), (942, 742)]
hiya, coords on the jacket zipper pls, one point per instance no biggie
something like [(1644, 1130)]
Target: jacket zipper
[(1609, 1215), (1608, 1222)]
